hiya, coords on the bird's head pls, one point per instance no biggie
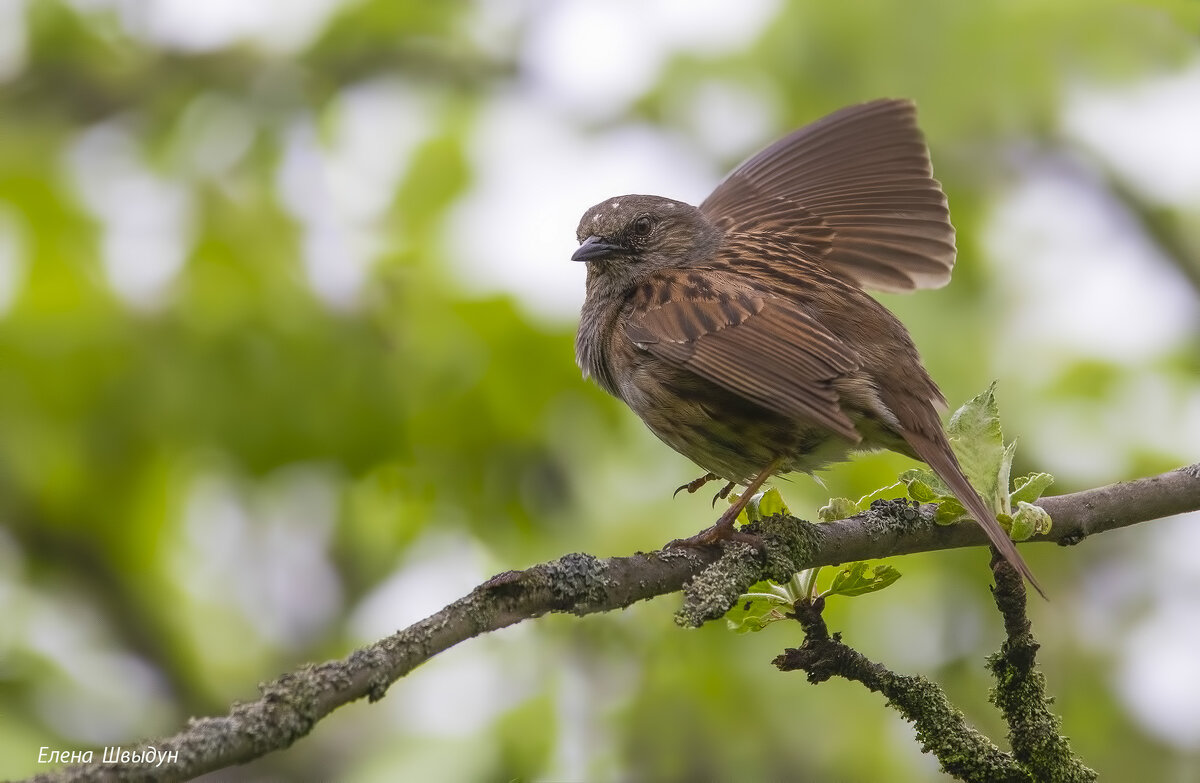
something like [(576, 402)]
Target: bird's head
[(626, 238)]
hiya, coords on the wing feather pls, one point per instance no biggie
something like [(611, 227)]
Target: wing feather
[(854, 192), (727, 332)]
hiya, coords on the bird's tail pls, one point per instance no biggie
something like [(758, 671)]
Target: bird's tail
[(936, 453)]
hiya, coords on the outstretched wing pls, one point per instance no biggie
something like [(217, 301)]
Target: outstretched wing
[(854, 192), (752, 343)]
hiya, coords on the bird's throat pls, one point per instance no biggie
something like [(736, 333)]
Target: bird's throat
[(596, 326)]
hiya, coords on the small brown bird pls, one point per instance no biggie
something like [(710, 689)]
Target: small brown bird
[(739, 331)]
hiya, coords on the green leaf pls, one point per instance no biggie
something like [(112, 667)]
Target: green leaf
[(762, 505), (837, 508), (1002, 479), (771, 503), (978, 442), (950, 512), (1030, 520), (841, 508), (861, 578), (921, 492), (1027, 489), (803, 584), (755, 611), (928, 480)]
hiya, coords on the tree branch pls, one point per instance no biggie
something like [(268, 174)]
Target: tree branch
[(1020, 693), (941, 728), (581, 584), (1039, 751)]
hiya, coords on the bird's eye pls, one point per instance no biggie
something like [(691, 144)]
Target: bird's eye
[(641, 227)]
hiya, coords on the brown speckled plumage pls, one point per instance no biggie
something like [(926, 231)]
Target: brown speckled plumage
[(739, 331)]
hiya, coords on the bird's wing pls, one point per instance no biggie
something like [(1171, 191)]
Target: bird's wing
[(854, 192), (752, 343)]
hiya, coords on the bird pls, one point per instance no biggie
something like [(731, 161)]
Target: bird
[(741, 332)]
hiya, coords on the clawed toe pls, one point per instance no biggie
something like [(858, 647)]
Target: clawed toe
[(723, 493), (695, 484)]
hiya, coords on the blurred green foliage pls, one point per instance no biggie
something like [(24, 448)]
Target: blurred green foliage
[(202, 488)]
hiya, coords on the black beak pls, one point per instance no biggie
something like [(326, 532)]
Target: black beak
[(593, 248)]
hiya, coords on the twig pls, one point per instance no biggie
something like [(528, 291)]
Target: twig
[(581, 584), (1020, 693), (941, 729)]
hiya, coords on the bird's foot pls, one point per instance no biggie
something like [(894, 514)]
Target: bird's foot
[(722, 531), (695, 484), (712, 537)]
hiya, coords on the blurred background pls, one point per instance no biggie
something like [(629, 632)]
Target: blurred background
[(286, 363)]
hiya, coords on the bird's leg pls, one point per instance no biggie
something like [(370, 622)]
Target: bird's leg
[(695, 484), (723, 493), (723, 530)]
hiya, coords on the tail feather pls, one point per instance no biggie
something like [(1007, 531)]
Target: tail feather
[(938, 456)]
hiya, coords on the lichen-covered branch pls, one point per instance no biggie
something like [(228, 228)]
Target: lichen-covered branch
[(290, 706), (1076, 516), (1039, 751), (941, 729), (1020, 693)]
